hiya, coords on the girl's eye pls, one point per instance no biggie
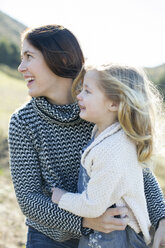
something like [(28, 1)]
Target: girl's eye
[(87, 91)]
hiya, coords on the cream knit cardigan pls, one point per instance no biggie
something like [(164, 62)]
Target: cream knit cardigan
[(115, 178)]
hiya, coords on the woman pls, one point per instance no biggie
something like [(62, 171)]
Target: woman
[(46, 137)]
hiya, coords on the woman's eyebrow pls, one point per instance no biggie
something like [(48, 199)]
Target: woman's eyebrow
[(27, 51)]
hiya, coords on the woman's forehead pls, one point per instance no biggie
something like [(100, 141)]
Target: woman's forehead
[(27, 47)]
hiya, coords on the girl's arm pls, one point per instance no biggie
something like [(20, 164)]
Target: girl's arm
[(27, 180), (106, 186)]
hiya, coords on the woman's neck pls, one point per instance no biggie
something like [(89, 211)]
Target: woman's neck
[(65, 100), (62, 95)]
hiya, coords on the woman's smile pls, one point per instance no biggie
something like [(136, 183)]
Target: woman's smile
[(29, 80)]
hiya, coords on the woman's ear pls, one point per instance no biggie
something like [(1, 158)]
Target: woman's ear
[(113, 106)]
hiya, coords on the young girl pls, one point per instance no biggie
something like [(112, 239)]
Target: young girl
[(118, 99)]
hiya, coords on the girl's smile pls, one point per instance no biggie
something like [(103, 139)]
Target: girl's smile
[(81, 107)]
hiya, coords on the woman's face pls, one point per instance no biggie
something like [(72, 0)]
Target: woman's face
[(41, 81)]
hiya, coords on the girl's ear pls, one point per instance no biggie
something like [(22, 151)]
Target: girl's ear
[(113, 106)]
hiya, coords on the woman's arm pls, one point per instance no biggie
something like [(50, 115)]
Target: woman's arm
[(159, 237), (154, 197), (27, 180), (107, 222)]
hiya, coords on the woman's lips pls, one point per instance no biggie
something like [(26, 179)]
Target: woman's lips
[(29, 80), (29, 83)]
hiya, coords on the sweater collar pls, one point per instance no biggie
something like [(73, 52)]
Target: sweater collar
[(113, 128), (101, 137), (64, 114)]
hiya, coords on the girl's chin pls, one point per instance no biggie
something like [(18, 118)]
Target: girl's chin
[(82, 116)]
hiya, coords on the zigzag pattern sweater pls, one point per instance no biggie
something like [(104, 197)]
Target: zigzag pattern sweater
[(45, 141)]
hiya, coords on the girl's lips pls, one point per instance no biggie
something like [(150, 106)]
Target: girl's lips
[(82, 108)]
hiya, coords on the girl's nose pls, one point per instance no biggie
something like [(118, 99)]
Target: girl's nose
[(79, 96), (22, 67)]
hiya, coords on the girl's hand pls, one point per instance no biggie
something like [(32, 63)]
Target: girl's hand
[(159, 237), (57, 194)]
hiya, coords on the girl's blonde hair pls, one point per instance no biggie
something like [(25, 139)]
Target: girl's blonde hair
[(139, 102)]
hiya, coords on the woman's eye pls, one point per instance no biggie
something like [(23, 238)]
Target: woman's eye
[(28, 56)]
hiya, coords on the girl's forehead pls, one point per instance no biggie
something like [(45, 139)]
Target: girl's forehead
[(91, 79), (93, 74)]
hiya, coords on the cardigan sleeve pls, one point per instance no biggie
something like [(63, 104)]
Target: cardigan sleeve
[(27, 180), (105, 187), (154, 197)]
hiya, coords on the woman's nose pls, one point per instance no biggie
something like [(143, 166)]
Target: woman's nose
[(22, 67)]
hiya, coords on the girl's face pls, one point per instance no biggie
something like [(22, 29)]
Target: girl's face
[(41, 81), (94, 105)]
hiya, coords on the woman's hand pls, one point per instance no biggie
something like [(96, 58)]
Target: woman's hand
[(57, 194), (159, 237), (107, 222)]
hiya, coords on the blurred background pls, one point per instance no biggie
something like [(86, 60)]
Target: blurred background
[(127, 31)]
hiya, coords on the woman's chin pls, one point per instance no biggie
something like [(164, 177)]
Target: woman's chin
[(33, 93)]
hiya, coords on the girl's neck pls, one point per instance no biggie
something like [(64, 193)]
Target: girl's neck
[(102, 126)]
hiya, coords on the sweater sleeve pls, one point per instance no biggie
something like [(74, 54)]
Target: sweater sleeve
[(27, 180), (154, 197), (104, 188)]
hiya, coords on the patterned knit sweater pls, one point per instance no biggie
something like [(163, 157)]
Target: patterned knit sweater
[(45, 141), (116, 177)]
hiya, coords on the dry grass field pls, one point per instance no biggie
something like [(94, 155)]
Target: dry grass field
[(12, 228)]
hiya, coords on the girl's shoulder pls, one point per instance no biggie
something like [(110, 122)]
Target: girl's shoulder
[(118, 143)]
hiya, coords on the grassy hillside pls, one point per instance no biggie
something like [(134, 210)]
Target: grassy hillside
[(10, 28), (155, 73)]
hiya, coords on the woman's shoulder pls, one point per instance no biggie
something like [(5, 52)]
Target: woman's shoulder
[(23, 113)]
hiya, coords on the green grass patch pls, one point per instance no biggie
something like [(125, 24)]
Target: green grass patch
[(13, 94), (1, 172)]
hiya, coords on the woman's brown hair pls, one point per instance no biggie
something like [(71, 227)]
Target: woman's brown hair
[(60, 48)]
